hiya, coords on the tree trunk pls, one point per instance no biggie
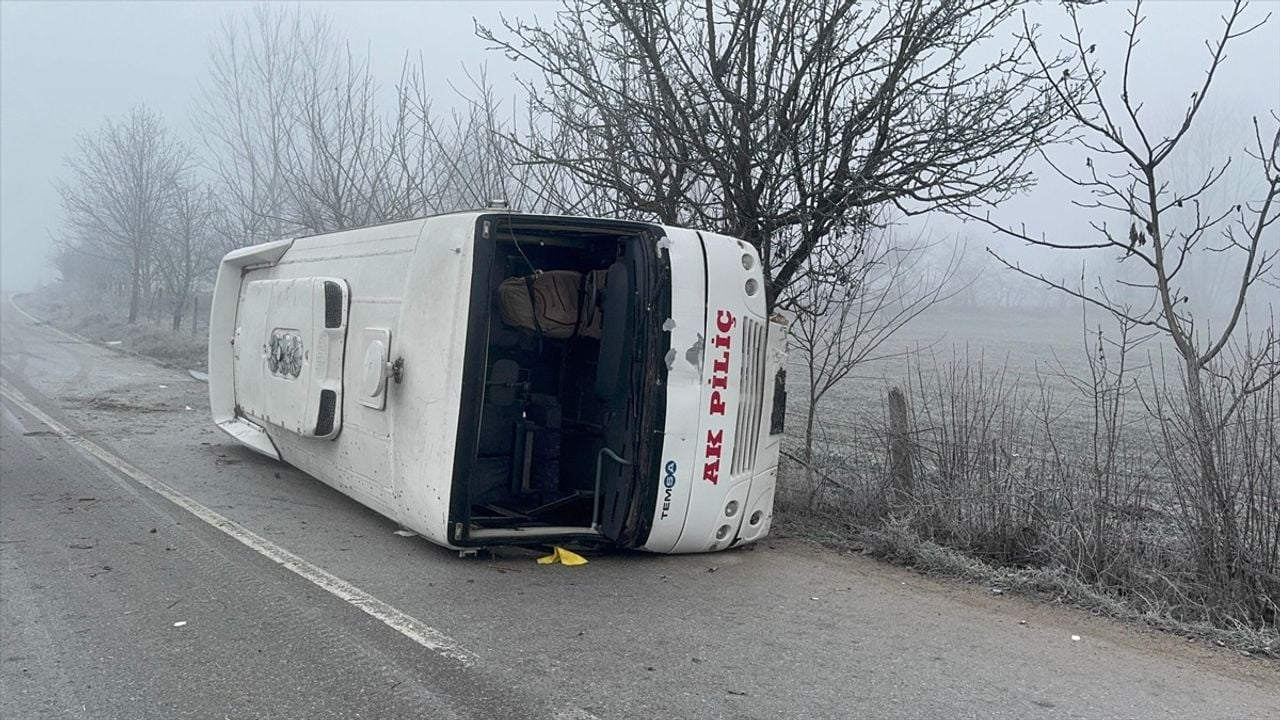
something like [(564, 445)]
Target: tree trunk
[(1217, 506), (135, 294), (815, 484), (178, 308)]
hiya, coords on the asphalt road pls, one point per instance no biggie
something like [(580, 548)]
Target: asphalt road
[(97, 570)]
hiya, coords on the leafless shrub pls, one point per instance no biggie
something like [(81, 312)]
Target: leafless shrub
[(465, 159), (974, 488), (335, 170), (1082, 492), (1230, 518), (855, 296)]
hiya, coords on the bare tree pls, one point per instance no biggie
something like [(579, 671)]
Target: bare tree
[(857, 295), (453, 161), (299, 141), (188, 250), (413, 145), (783, 122), (1166, 227), (466, 158), (337, 164), (294, 121), (122, 180), (248, 112)]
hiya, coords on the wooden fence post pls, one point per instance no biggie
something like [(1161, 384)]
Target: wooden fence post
[(900, 460)]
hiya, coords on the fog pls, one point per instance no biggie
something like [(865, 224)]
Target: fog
[(64, 67), (1125, 454), (1167, 68)]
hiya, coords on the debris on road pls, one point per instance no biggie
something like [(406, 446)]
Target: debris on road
[(1075, 638), (562, 557), (180, 623), (406, 533)]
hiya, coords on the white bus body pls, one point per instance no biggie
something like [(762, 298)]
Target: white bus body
[(381, 361)]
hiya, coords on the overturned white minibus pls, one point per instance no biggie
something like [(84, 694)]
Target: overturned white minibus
[(495, 378)]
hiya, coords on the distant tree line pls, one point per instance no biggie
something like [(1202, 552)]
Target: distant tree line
[(292, 138)]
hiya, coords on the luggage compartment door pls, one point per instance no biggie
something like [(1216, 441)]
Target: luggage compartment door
[(290, 344)]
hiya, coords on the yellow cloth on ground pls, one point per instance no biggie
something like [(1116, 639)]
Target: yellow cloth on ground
[(562, 556)]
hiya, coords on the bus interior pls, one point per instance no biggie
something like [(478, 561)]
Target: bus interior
[(558, 420)]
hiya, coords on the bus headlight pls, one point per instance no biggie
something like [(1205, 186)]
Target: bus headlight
[(752, 287), (748, 262)]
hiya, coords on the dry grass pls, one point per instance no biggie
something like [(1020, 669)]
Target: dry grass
[(1056, 480), (896, 542), (149, 337)]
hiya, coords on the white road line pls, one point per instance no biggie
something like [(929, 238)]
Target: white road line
[(403, 623), (12, 419), (47, 326)]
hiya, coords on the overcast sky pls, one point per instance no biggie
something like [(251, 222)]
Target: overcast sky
[(66, 66)]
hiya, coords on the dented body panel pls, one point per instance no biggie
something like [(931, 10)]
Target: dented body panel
[(725, 380)]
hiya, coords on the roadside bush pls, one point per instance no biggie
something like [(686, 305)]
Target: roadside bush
[(150, 337), (1103, 490), (1226, 490)]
